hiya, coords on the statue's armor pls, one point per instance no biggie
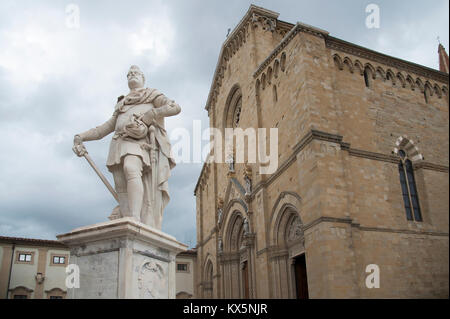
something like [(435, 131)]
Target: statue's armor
[(122, 144)]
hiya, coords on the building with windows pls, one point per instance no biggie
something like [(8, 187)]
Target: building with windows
[(362, 177), (185, 274), (32, 268), (36, 269)]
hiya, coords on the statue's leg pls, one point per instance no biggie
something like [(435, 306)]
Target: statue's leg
[(120, 184), (132, 168)]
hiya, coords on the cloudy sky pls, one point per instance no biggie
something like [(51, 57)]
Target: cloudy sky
[(57, 79)]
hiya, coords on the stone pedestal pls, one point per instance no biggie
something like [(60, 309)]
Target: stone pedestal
[(123, 258)]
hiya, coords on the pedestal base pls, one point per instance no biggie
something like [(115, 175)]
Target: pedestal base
[(123, 258)]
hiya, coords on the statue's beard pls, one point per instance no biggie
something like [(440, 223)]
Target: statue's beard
[(134, 83)]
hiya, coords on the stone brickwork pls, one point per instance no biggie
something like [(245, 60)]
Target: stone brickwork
[(343, 113)]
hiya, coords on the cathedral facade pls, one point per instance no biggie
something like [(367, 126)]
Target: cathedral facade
[(358, 204)]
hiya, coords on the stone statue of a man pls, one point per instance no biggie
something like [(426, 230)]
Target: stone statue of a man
[(140, 153)]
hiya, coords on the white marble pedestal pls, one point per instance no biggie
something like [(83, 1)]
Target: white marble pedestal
[(123, 258)]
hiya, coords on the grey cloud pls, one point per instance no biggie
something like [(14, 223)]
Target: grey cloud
[(44, 188)]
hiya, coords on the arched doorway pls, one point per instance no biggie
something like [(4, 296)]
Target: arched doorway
[(287, 258), (235, 259), (208, 282)]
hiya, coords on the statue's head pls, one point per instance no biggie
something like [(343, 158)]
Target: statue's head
[(135, 77)]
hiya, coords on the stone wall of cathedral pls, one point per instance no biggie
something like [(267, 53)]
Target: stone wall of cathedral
[(343, 113)]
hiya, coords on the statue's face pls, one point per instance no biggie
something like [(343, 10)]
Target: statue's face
[(135, 79)]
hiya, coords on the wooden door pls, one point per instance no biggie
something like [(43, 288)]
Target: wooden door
[(301, 279)]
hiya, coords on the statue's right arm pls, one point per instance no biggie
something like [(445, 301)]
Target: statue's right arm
[(101, 131)]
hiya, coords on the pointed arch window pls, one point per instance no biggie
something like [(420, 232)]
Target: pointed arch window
[(367, 74), (234, 107), (409, 189)]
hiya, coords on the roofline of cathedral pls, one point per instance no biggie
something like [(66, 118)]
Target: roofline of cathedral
[(331, 42), (354, 49)]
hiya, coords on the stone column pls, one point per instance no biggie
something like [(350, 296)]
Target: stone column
[(123, 258)]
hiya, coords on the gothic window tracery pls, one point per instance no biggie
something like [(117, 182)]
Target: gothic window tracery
[(409, 189)]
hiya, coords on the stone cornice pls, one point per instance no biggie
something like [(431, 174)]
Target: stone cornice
[(401, 231), (273, 251), (431, 166), (125, 228), (327, 219), (338, 139), (309, 137), (316, 135), (372, 155), (356, 50)]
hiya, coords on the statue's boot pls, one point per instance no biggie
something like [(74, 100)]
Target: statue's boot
[(123, 204)]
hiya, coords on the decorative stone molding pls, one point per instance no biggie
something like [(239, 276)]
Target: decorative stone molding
[(227, 257), (430, 166), (249, 239), (220, 245), (393, 77), (40, 278), (267, 23), (150, 273), (371, 155), (20, 290), (255, 16), (285, 224), (248, 181), (353, 49), (403, 143), (246, 226), (275, 252), (56, 292), (219, 211), (231, 170), (294, 231)]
